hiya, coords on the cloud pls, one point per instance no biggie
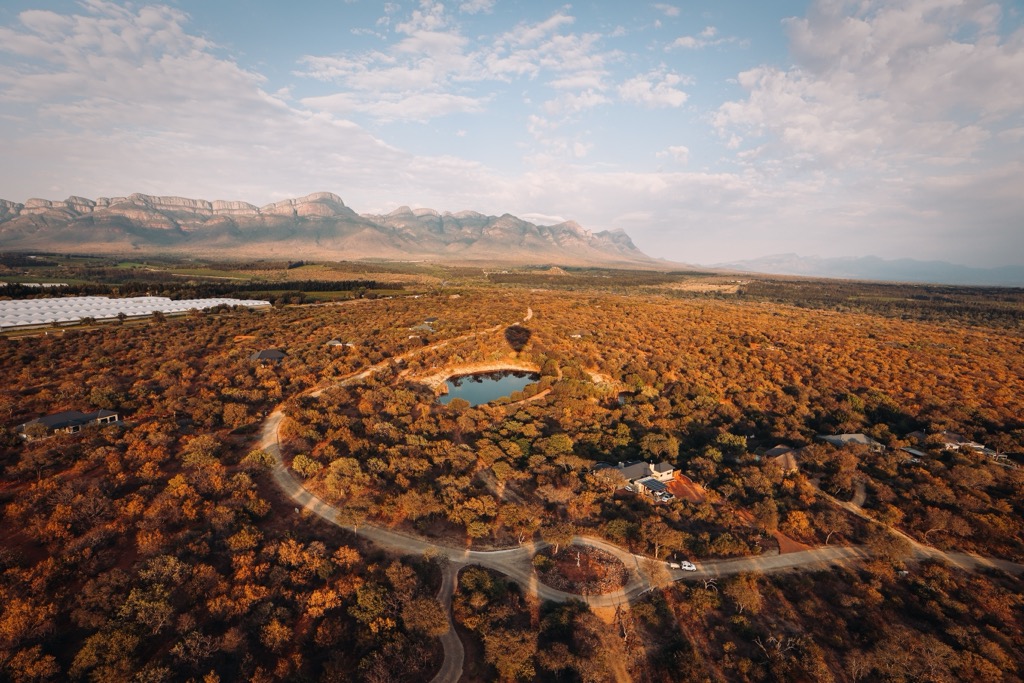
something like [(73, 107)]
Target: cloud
[(906, 84), (530, 34), (667, 10), (574, 103), (477, 7), (429, 17), (434, 70), (116, 100), (903, 105), (706, 38), (654, 89), (410, 107), (679, 153), (893, 116)]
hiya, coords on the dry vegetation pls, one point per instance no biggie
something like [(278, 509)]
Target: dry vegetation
[(157, 550)]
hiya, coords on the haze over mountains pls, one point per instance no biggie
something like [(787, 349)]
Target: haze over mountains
[(875, 268), (318, 225)]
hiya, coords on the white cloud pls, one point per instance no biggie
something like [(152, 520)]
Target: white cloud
[(114, 101), (569, 104), (530, 34), (404, 107), (904, 84), (896, 115), (435, 70), (477, 6), (904, 105), (667, 10), (654, 89), (429, 17), (706, 38), (678, 153)]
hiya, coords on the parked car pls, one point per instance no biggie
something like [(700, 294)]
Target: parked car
[(630, 489), (687, 566), (673, 565)]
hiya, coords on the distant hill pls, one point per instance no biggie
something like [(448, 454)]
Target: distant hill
[(315, 226), (874, 268)]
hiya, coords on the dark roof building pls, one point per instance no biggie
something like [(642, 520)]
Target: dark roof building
[(70, 421), (268, 355)]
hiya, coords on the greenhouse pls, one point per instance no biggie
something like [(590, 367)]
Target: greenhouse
[(72, 309)]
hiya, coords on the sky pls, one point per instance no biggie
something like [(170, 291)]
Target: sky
[(710, 131)]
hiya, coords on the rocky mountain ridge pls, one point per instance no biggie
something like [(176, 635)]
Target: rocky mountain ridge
[(318, 225)]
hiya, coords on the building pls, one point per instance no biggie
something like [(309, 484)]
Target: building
[(651, 486), (784, 457), (68, 421), (843, 440), (637, 470), (268, 356)]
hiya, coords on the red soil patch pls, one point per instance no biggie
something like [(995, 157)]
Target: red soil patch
[(684, 488), (788, 545)]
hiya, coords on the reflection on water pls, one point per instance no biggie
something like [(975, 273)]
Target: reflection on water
[(487, 386)]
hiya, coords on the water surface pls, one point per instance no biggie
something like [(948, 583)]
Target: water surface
[(487, 386)]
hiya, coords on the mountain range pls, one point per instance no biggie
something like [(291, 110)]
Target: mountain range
[(317, 226), (875, 268)]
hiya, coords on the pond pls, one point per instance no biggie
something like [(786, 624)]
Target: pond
[(485, 387)]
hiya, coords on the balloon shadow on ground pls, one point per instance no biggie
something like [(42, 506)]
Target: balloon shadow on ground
[(517, 337)]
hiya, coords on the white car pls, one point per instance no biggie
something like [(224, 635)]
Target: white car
[(630, 489), (687, 566)]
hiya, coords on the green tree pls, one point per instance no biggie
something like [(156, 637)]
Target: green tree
[(305, 465)]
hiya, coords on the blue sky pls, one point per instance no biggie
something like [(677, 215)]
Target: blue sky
[(709, 131)]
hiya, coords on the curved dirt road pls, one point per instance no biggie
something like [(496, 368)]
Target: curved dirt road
[(454, 653), (922, 551), (516, 563)]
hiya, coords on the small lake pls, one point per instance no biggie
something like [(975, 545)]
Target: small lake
[(486, 386)]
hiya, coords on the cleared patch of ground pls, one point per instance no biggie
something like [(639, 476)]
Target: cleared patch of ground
[(684, 488), (435, 380), (581, 569), (789, 545)]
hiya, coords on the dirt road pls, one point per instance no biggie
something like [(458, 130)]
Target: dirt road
[(516, 563)]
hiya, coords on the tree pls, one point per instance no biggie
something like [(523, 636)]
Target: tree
[(832, 521), (512, 653), (426, 616), (351, 516), (744, 593), (557, 534), (150, 608), (886, 544), (31, 665), (660, 445), (766, 515), (555, 445), (657, 533), (520, 520), (373, 608), (305, 465)]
